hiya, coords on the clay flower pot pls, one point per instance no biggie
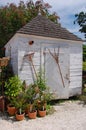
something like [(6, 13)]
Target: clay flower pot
[(11, 110), (42, 113), (32, 115), (20, 117)]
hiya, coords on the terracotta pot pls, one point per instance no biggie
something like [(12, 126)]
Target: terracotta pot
[(42, 113), (11, 110), (20, 117), (32, 115)]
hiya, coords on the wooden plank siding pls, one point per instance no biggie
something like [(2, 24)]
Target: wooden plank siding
[(75, 70), (53, 76), (26, 71), (12, 52)]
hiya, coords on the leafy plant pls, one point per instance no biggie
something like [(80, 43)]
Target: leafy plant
[(44, 98), (44, 91), (5, 73), (31, 96), (41, 82), (20, 102), (84, 53), (83, 96), (50, 109), (13, 87), (81, 20)]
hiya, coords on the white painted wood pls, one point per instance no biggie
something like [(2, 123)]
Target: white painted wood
[(75, 69), (53, 75), (70, 60)]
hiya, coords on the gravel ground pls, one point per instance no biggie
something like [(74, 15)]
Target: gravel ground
[(68, 116)]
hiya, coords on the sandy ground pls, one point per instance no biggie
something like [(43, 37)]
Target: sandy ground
[(68, 116)]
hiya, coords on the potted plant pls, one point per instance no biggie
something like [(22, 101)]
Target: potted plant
[(20, 103), (41, 83), (12, 88), (31, 96), (45, 96)]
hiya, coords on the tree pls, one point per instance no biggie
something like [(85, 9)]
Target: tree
[(84, 53), (81, 20), (13, 17)]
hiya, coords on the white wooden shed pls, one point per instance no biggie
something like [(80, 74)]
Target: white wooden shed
[(58, 51)]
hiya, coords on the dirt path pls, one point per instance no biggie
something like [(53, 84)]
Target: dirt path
[(68, 116)]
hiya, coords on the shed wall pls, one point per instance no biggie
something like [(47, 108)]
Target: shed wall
[(70, 61), (26, 71), (12, 52)]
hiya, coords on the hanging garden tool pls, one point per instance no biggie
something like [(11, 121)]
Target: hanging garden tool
[(29, 57), (56, 58)]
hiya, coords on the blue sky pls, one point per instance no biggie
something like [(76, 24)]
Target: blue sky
[(66, 9)]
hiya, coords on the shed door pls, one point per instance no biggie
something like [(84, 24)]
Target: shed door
[(57, 73)]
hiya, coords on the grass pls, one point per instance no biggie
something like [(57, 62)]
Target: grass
[(50, 109)]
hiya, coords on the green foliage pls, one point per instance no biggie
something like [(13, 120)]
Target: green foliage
[(83, 98), (84, 53), (41, 82), (81, 20), (84, 66), (20, 102), (50, 109), (31, 94), (44, 91), (13, 87), (5, 74), (46, 96)]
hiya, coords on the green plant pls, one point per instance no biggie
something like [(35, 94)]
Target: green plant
[(83, 96), (84, 66), (5, 73), (40, 81), (20, 102), (44, 91), (31, 96), (12, 88), (50, 109), (44, 98)]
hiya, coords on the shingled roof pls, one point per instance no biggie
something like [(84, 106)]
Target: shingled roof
[(42, 26)]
